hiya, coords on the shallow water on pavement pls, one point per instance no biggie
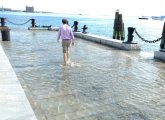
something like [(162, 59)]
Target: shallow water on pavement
[(101, 83)]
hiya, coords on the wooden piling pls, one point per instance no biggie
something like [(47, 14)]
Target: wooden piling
[(118, 32)]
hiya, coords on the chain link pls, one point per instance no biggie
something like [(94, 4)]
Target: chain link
[(18, 24), (148, 41)]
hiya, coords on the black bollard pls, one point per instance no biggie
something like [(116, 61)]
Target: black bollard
[(3, 21), (5, 34), (33, 23), (162, 43), (75, 25), (84, 29), (5, 31), (130, 34)]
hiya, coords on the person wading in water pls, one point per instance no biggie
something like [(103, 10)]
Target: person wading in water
[(66, 34)]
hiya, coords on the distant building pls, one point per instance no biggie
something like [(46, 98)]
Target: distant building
[(29, 9), (5, 9)]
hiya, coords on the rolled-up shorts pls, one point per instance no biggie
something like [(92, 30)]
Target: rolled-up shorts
[(66, 45)]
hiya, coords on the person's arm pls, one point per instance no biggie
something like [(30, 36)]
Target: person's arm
[(58, 35), (72, 37)]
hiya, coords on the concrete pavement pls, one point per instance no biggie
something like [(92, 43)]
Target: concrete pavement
[(13, 102)]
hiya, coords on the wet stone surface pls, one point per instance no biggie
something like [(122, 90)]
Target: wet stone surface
[(101, 83)]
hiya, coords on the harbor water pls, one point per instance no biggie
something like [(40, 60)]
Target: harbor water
[(101, 83), (99, 25)]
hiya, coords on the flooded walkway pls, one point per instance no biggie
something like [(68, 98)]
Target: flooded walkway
[(102, 83)]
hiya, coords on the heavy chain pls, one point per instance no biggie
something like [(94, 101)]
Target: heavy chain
[(149, 41), (18, 24)]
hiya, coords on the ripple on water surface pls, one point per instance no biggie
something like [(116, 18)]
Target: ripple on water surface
[(100, 83)]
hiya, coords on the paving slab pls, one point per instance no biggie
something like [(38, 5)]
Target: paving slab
[(14, 104)]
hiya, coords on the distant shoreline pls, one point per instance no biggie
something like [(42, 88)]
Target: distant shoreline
[(24, 11)]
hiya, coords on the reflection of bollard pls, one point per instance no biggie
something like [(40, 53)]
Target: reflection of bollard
[(130, 36), (84, 29), (75, 25), (162, 43), (5, 31)]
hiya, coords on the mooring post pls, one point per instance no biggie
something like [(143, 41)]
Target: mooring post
[(84, 29), (118, 32), (130, 34), (120, 28), (33, 23), (5, 31), (3, 21), (122, 33), (75, 25), (115, 24), (162, 43)]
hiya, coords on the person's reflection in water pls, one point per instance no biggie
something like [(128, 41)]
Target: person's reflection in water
[(68, 100), (65, 73)]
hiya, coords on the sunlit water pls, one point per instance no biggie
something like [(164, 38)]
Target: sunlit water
[(99, 25), (101, 83)]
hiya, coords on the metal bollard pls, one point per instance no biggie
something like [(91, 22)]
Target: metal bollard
[(162, 43), (130, 34), (84, 29), (5, 31), (75, 25), (33, 23), (5, 34), (2, 21)]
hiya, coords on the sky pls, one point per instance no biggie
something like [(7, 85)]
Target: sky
[(92, 7)]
